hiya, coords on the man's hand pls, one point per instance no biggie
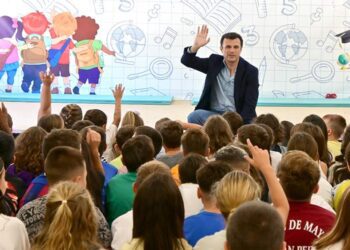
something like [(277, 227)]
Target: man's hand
[(46, 78), (201, 39), (118, 91)]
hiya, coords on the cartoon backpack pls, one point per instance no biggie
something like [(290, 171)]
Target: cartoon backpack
[(86, 56), (36, 55)]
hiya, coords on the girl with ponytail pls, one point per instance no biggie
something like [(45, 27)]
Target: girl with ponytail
[(70, 220), (8, 50), (237, 188)]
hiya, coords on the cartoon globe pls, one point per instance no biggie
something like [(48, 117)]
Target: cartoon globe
[(288, 44), (127, 40)]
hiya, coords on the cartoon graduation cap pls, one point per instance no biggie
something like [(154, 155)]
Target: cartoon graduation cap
[(344, 36)]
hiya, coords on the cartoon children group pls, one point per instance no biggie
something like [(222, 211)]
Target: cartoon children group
[(36, 51)]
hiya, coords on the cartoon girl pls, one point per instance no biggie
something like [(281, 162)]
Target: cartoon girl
[(88, 61), (8, 50), (34, 51), (64, 24)]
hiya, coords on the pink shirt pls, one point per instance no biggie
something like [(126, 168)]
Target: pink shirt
[(4, 48)]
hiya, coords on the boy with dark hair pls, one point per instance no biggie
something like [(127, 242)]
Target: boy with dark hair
[(97, 117), (209, 220), (193, 141), (57, 137), (299, 176), (335, 128), (188, 188), (171, 132), (153, 134), (61, 164), (234, 120), (255, 225), (119, 193), (123, 134)]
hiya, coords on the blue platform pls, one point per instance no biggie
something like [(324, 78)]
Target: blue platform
[(95, 99)]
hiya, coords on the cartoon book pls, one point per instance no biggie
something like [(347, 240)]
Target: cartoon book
[(220, 14)]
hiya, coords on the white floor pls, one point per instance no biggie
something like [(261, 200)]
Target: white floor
[(25, 114)]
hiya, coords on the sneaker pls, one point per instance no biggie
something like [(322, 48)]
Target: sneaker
[(76, 90), (8, 90), (92, 93), (54, 90), (25, 87), (67, 91)]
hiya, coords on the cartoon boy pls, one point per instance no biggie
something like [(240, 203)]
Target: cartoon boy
[(87, 59), (64, 24)]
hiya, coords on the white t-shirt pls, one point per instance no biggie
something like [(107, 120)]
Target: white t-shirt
[(122, 230), (13, 234), (212, 242), (193, 205)]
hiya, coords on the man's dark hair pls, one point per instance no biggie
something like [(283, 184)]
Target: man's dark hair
[(137, 151), (96, 116), (61, 137), (210, 174), (171, 132), (255, 225), (153, 134), (231, 36), (189, 166)]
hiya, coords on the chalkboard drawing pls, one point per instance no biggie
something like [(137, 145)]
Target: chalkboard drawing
[(289, 7), (160, 68), (154, 12), (127, 40), (308, 94), (346, 4), (98, 6), (288, 44), (49, 6), (322, 72), (150, 91), (278, 93), (167, 38), (220, 14), (316, 16), (262, 71), (253, 37), (261, 7), (126, 5), (186, 21), (329, 42)]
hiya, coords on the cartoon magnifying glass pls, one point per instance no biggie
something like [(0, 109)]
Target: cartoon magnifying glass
[(322, 72), (160, 68)]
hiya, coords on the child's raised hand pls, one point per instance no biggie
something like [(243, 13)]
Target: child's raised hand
[(46, 78), (261, 157)]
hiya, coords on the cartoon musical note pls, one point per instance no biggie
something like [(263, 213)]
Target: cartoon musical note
[(168, 37), (153, 13), (253, 37), (290, 7), (126, 5), (316, 16), (261, 7), (329, 42)]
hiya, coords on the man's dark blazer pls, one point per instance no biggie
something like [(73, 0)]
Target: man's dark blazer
[(246, 84)]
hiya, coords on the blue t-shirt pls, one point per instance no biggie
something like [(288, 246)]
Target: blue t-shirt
[(201, 225)]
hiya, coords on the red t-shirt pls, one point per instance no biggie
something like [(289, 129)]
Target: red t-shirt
[(65, 55), (306, 222)]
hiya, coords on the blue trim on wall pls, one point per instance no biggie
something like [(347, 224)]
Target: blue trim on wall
[(96, 99), (298, 102)]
